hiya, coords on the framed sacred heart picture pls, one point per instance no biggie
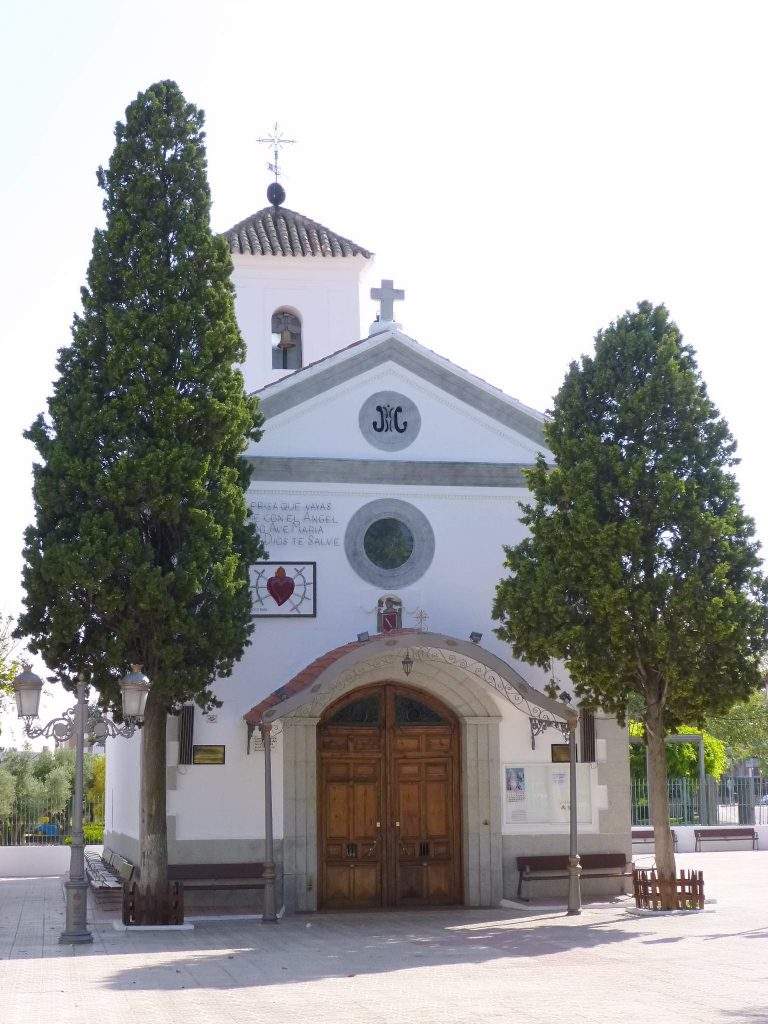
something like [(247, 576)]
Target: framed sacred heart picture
[(284, 590)]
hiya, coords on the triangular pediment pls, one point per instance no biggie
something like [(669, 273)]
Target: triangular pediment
[(398, 349)]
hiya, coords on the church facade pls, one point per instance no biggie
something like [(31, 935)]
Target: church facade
[(411, 759)]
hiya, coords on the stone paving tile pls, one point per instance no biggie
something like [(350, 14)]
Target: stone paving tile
[(523, 966)]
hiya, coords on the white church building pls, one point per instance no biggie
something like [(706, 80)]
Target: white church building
[(412, 759)]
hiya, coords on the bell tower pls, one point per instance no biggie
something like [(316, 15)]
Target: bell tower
[(297, 289)]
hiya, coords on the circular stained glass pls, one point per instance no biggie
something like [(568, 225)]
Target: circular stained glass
[(388, 543)]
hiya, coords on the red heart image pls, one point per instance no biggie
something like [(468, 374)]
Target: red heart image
[(280, 587)]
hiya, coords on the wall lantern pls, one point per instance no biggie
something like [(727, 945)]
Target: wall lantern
[(407, 663)]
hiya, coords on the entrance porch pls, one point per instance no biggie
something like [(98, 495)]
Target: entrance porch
[(473, 690)]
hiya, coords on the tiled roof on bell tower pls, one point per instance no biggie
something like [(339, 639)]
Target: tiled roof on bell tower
[(275, 231)]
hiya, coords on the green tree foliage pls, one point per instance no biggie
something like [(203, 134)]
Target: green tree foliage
[(7, 792), (34, 787), (744, 729), (37, 786), (143, 538), (95, 776), (682, 758), (9, 665), (641, 570)]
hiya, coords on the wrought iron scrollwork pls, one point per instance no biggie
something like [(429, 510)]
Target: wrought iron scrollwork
[(540, 725), (255, 742), (64, 727), (543, 718)]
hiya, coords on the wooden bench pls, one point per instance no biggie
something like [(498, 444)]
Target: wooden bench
[(593, 865), (724, 835), (108, 874), (644, 836), (105, 883), (218, 877)]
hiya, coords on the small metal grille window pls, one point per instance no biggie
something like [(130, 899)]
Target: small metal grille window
[(186, 733), (587, 735), (409, 711), (364, 711)]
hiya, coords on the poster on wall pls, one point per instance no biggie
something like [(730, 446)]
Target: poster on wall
[(284, 590), (540, 794), (515, 785)]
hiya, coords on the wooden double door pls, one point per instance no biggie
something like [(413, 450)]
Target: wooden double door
[(389, 807)]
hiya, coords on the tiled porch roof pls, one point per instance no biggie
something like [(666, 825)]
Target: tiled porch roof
[(304, 679)]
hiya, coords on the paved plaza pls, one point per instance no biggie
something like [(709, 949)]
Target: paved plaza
[(526, 965)]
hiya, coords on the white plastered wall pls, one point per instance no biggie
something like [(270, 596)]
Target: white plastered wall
[(324, 291)]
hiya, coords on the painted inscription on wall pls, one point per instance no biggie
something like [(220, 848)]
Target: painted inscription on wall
[(297, 524)]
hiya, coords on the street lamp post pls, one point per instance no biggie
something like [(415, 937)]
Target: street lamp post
[(574, 861), (76, 721)]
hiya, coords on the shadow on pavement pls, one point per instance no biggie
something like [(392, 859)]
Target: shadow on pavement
[(298, 950)]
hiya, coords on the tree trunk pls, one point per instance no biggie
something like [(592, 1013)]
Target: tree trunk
[(153, 836), (655, 737)]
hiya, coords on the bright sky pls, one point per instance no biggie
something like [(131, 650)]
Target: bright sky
[(526, 171)]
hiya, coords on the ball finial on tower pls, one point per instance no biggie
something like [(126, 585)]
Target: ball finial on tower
[(276, 194), (275, 141)]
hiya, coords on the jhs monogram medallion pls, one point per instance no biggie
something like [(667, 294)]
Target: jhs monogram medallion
[(389, 421)]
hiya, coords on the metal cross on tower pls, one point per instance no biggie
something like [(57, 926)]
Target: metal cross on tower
[(386, 295), (275, 141)]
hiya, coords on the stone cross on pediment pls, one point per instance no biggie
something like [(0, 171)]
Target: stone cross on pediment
[(386, 296)]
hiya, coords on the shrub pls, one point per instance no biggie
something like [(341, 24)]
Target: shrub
[(93, 834)]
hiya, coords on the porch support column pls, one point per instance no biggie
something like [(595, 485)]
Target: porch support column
[(269, 916), (574, 863)]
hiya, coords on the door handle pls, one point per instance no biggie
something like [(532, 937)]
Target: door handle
[(397, 824)]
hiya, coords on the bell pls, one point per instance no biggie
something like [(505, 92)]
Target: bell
[(286, 341)]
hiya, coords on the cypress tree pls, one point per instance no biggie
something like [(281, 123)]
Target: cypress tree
[(641, 570), (142, 542)]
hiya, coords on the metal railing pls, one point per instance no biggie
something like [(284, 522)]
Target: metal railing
[(733, 800), (35, 823)]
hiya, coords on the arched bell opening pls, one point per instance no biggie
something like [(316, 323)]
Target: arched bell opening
[(286, 339)]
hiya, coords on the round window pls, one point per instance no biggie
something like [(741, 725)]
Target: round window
[(388, 543)]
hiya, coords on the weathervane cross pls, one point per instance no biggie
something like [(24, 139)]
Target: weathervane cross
[(275, 141), (386, 296)]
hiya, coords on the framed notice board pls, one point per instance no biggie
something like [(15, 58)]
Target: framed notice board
[(208, 753), (561, 753)]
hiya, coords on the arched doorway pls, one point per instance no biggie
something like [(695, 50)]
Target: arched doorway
[(389, 828)]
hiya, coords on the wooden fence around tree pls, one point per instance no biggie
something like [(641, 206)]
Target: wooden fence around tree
[(652, 891)]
